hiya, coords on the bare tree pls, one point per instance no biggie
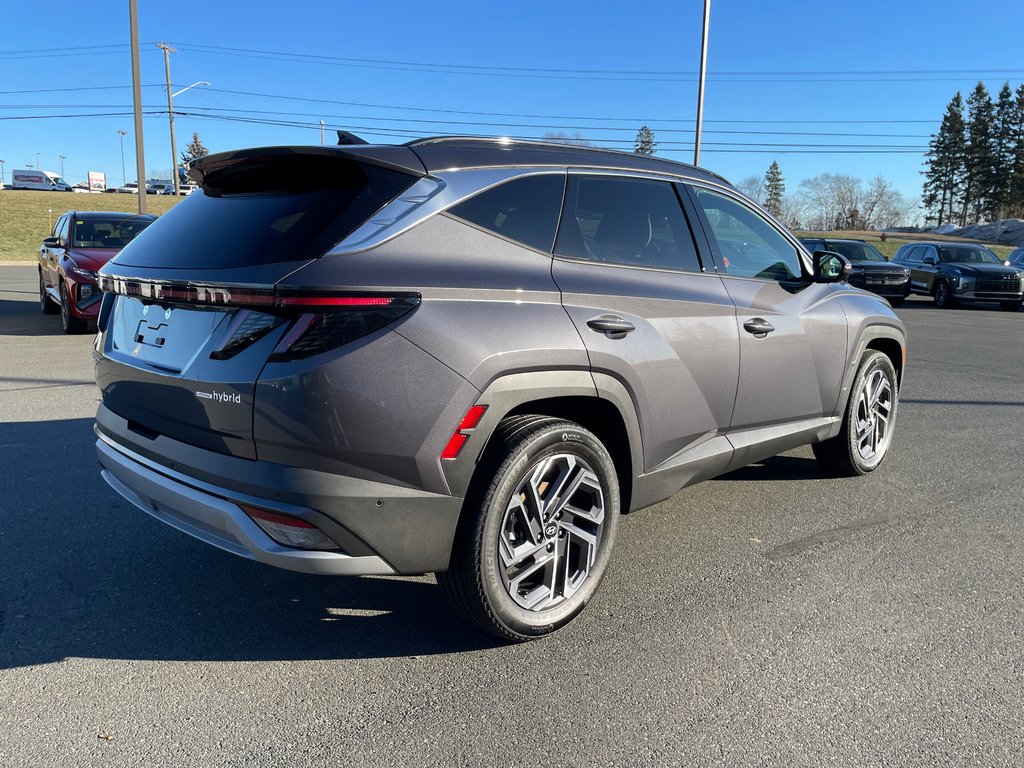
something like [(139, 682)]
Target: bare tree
[(752, 187), (561, 137)]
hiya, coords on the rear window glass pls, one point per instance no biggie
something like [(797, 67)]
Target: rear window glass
[(261, 212), (524, 210), (108, 232)]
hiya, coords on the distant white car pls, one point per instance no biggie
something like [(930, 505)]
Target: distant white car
[(131, 188)]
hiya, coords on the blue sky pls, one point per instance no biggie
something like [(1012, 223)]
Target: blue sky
[(878, 73)]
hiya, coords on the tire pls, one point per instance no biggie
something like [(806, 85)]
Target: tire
[(69, 322), (864, 440), (1010, 306), (45, 302), (525, 561), (895, 301), (944, 296)]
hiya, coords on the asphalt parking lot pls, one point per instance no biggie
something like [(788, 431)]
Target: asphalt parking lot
[(775, 616)]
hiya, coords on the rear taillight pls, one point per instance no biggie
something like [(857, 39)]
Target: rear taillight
[(290, 531), (337, 320)]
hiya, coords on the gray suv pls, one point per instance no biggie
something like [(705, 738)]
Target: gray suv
[(469, 357)]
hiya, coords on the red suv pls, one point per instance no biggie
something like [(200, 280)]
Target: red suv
[(81, 243)]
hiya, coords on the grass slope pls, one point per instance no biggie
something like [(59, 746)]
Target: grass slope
[(26, 217)]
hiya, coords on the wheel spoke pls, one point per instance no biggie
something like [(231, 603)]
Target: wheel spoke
[(551, 531)]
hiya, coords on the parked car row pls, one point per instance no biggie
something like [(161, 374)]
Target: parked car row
[(949, 272)]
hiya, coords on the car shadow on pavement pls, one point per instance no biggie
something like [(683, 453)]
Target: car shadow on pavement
[(85, 574), (781, 468), (24, 318)]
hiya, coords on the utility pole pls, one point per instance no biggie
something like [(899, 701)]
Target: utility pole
[(38, 166), (170, 112), (140, 150), (121, 134), (62, 159), (1, 173), (321, 133), (700, 83)]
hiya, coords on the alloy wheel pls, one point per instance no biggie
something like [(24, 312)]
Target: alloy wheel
[(551, 532), (874, 414)]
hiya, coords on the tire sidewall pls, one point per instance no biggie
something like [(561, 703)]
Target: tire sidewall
[(559, 438)]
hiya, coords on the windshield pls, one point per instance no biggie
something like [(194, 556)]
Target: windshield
[(857, 251), (965, 255), (112, 231)]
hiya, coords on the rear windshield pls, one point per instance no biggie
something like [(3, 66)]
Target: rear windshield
[(262, 211), (114, 231)]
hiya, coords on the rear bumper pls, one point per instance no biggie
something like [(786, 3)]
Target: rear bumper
[(382, 529)]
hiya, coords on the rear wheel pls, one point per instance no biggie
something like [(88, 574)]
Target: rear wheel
[(870, 416), (45, 302), (1010, 306), (70, 323), (538, 529), (944, 295)]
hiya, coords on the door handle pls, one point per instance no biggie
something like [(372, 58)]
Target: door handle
[(613, 326), (759, 327)]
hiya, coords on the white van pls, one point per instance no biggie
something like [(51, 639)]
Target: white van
[(44, 180)]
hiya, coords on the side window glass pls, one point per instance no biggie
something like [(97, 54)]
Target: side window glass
[(914, 254), (524, 210), (619, 220), (749, 244), (62, 231)]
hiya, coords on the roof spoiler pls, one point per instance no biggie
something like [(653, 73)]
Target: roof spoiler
[(346, 138)]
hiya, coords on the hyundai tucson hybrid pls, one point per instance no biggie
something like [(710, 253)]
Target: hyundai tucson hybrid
[(871, 270), (79, 245), (469, 357), (961, 272)]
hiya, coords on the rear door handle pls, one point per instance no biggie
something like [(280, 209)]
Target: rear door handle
[(613, 326), (759, 327)]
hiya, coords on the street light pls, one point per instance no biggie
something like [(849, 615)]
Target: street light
[(170, 118), (62, 159), (122, 134)]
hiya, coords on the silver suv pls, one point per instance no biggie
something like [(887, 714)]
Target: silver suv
[(469, 357)]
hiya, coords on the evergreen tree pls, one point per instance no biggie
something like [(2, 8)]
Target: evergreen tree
[(944, 177), (774, 189), (981, 159), (1016, 202), (194, 150), (1004, 144), (645, 143)]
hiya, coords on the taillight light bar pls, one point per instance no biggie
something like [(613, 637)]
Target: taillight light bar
[(241, 296)]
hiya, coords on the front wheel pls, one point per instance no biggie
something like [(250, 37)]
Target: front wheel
[(864, 439), (944, 295), (68, 321), (1010, 306), (538, 529)]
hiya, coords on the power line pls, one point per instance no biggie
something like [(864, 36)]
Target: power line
[(480, 123)]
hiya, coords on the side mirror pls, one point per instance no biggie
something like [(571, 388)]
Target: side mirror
[(52, 242), (929, 259), (831, 267)]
